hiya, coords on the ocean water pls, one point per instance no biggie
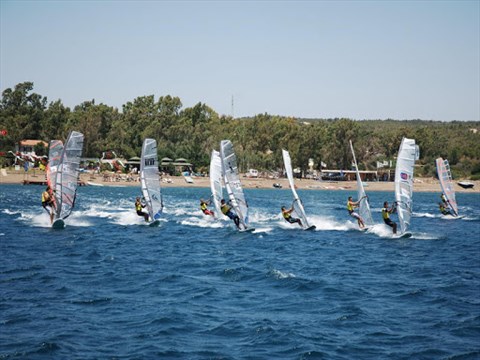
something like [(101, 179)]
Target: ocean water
[(109, 287)]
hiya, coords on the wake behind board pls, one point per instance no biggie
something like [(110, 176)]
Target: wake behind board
[(313, 227), (402, 236), (248, 230), (58, 224), (451, 217), (154, 223)]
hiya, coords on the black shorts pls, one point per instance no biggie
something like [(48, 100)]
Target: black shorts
[(291, 220), (389, 222), (46, 203)]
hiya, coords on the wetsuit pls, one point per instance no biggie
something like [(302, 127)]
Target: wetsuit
[(47, 200), (386, 218), (289, 218), (204, 208), (227, 211), (138, 208), (444, 210), (351, 211)]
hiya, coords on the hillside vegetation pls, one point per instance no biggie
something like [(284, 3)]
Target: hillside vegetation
[(193, 132)]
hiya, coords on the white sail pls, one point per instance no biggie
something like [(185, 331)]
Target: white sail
[(297, 205), (407, 154), (364, 206), (445, 178), (150, 179), (232, 182), (54, 157), (216, 181), (66, 177)]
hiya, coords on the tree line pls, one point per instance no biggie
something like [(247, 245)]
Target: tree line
[(193, 132)]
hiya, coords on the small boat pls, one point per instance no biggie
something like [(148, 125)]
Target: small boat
[(466, 184), (277, 186)]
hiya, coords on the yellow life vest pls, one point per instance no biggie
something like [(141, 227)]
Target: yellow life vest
[(138, 206), (45, 198), (349, 206), (203, 206), (225, 209), (286, 215), (385, 214)]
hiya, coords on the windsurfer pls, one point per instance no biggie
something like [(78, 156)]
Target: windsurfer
[(386, 216), (444, 200), (287, 215), (351, 205), (227, 211), (48, 201), (204, 207), (138, 207), (444, 209)]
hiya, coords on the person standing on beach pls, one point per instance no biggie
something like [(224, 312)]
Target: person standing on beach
[(48, 201), (227, 211), (386, 216), (138, 207), (351, 205), (204, 207)]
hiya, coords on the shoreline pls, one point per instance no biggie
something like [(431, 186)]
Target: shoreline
[(420, 184)]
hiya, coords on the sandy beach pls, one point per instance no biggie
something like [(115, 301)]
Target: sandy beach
[(420, 184)]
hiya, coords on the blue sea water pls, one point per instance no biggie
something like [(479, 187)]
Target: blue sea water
[(109, 287)]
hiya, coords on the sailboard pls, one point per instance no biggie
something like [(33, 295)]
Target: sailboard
[(216, 182), (297, 203), (445, 178), (150, 181), (63, 175), (405, 235), (233, 184), (363, 207), (407, 154)]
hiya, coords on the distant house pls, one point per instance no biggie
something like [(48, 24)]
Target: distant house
[(27, 147)]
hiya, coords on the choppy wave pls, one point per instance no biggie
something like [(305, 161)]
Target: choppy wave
[(109, 286)]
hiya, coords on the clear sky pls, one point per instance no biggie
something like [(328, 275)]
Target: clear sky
[(322, 59)]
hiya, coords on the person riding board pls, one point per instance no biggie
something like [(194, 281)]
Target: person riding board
[(287, 215), (227, 211), (204, 207), (386, 216), (444, 200), (351, 205), (444, 210), (48, 201), (138, 207)]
